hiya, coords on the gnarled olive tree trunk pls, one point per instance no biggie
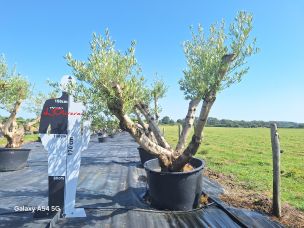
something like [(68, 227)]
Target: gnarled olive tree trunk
[(172, 160), (13, 133)]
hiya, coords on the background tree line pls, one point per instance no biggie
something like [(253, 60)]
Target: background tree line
[(214, 122)]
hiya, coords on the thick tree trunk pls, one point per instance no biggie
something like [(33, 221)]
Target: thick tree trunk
[(181, 160), (187, 125), (15, 139), (10, 129), (12, 118)]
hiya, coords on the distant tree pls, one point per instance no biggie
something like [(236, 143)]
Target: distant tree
[(179, 121), (301, 125), (171, 122), (165, 120)]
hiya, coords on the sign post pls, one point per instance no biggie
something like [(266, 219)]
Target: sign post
[(64, 134)]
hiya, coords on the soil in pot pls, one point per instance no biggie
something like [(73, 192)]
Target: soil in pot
[(176, 191), (13, 159), (144, 155)]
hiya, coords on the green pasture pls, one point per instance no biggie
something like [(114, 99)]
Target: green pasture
[(246, 154)]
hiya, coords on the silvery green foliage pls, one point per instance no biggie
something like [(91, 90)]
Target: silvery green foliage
[(13, 87), (106, 67), (204, 57)]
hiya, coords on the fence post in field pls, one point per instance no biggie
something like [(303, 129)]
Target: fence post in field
[(179, 131), (163, 131), (275, 142)]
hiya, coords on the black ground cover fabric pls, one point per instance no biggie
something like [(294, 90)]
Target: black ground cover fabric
[(111, 187)]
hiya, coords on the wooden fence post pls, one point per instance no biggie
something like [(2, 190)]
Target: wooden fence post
[(163, 131), (275, 143), (179, 131)]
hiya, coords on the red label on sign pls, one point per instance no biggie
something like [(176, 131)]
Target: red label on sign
[(60, 112)]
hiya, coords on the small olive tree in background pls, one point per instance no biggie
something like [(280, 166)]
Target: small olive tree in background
[(112, 81), (106, 125), (34, 105), (158, 91), (14, 89)]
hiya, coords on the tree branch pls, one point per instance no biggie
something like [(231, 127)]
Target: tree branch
[(187, 125), (155, 109), (153, 126), (145, 126), (141, 122)]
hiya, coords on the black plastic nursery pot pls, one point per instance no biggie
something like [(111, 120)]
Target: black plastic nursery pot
[(13, 159), (103, 139), (144, 155), (176, 191)]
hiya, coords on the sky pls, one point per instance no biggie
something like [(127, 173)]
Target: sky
[(36, 35)]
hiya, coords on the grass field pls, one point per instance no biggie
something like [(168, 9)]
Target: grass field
[(246, 154), (27, 138)]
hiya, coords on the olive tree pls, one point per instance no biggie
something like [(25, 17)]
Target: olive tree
[(14, 90), (112, 81), (158, 91), (35, 104), (105, 125)]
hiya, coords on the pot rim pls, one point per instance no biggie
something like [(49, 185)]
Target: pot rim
[(175, 173)]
